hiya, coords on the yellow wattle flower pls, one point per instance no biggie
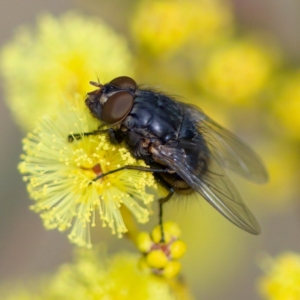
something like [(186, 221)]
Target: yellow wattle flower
[(60, 176), (46, 64)]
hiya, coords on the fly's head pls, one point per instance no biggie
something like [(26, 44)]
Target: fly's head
[(112, 102)]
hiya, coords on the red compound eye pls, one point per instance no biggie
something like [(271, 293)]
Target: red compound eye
[(117, 107), (124, 82)]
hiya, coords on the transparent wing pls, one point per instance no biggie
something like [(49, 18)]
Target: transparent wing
[(214, 186), (227, 149)]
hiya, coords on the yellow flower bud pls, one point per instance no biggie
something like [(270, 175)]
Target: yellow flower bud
[(172, 229), (177, 249), (156, 235), (172, 269), (142, 264), (144, 242), (157, 259)]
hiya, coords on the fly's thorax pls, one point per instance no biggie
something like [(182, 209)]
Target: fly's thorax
[(154, 115)]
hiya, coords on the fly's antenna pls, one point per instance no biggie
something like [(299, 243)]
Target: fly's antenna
[(96, 84)]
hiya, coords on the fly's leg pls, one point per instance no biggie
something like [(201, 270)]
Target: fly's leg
[(161, 202), (130, 167), (114, 138), (79, 136)]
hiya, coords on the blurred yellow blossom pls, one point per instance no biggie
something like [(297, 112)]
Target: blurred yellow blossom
[(163, 27), (237, 71), (89, 277), (282, 278), (286, 103), (60, 176), (42, 66)]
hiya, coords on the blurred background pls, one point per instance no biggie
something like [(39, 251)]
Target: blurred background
[(240, 62)]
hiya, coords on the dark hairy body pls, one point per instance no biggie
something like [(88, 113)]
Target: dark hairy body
[(185, 150)]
